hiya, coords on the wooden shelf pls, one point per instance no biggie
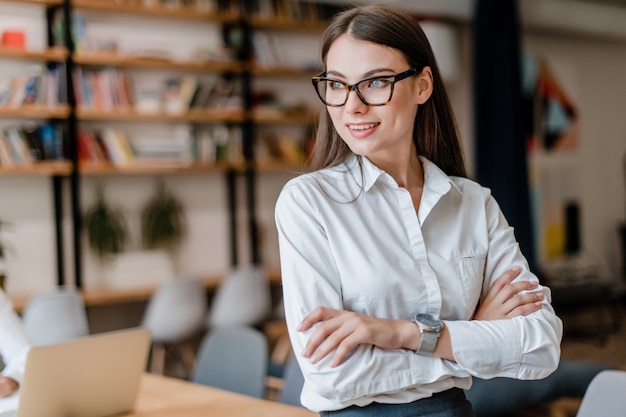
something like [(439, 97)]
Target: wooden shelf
[(117, 60), (275, 166), (35, 111), (38, 168), (282, 72), (152, 168), (41, 2), (198, 116), (278, 117), (158, 11), (57, 54), (273, 23)]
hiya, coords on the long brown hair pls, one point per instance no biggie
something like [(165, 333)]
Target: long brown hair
[(434, 133)]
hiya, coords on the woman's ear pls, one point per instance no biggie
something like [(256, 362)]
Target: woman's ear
[(424, 85)]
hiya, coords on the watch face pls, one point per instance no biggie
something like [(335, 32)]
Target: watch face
[(428, 320)]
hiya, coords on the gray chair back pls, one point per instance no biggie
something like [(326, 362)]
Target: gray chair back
[(233, 358), (293, 381), (605, 396), (55, 317), (176, 311), (243, 298)]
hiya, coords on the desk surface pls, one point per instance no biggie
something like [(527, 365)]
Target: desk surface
[(167, 397)]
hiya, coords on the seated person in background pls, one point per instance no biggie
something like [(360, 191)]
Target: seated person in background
[(14, 347)]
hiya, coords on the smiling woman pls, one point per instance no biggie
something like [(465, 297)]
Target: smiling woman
[(401, 277)]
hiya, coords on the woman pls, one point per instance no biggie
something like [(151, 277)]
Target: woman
[(14, 347), (401, 277)]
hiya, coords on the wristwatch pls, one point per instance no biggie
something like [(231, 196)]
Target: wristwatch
[(430, 328)]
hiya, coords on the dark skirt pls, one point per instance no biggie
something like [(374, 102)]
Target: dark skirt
[(450, 403)]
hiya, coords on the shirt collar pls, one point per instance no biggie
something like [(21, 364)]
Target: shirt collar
[(434, 178)]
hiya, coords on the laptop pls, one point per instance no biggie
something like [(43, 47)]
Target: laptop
[(94, 376)]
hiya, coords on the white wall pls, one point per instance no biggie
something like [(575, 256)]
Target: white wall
[(592, 72)]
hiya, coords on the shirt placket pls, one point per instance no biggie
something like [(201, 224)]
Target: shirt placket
[(418, 248)]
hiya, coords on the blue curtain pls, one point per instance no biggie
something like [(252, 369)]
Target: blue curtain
[(498, 115)]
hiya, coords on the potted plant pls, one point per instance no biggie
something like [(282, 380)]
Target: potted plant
[(163, 224), (105, 227)]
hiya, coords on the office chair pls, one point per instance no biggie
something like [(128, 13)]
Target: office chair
[(233, 358), (243, 298), (293, 381), (605, 395), (174, 314), (55, 317)]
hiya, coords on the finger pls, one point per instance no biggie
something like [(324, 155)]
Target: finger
[(332, 342), (319, 336), (345, 347), (526, 309), (518, 304), (502, 281), (315, 316), (510, 290)]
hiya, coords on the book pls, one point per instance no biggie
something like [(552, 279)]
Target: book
[(20, 153), (6, 90), (117, 146), (32, 137), (6, 160), (178, 94)]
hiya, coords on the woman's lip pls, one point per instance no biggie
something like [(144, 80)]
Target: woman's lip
[(361, 130), (361, 126)]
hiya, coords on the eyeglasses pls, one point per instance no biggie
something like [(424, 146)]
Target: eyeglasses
[(373, 91)]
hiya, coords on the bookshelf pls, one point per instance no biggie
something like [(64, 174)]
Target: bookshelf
[(34, 111), (117, 56)]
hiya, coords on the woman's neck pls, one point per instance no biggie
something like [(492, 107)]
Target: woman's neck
[(405, 169)]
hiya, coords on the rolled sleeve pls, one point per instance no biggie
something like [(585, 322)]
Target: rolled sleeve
[(522, 347)]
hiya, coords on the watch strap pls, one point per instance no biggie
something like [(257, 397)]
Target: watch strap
[(428, 335), (428, 341)]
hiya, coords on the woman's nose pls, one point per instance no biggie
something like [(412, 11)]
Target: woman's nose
[(354, 104)]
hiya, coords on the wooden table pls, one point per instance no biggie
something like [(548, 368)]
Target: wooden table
[(161, 396)]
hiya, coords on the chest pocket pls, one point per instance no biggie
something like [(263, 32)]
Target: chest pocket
[(471, 272)]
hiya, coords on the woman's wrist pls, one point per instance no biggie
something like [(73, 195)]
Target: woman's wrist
[(411, 335)]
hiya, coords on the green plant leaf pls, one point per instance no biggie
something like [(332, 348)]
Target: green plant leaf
[(105, 228), (163, 221)]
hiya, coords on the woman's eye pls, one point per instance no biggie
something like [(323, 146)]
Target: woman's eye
[(336, 85), (378, 83)]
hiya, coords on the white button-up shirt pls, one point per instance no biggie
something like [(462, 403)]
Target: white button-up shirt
[(350, 238)]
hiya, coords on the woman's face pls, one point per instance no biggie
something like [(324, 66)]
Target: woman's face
[(381, 133)]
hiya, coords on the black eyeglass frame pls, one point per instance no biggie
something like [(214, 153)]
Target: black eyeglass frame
[(353, 87)]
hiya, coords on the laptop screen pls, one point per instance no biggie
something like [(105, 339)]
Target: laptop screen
[(94, 376)]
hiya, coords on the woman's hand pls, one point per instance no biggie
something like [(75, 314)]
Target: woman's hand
[(342, 331), (7, 386), (503, 300)]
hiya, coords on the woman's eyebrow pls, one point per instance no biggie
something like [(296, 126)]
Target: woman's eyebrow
[(369, 73)]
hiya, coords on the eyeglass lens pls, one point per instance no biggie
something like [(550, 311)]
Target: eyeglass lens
[(374, 92)]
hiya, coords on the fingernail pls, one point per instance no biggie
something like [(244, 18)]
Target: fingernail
[(299, 328), (516, 269)]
